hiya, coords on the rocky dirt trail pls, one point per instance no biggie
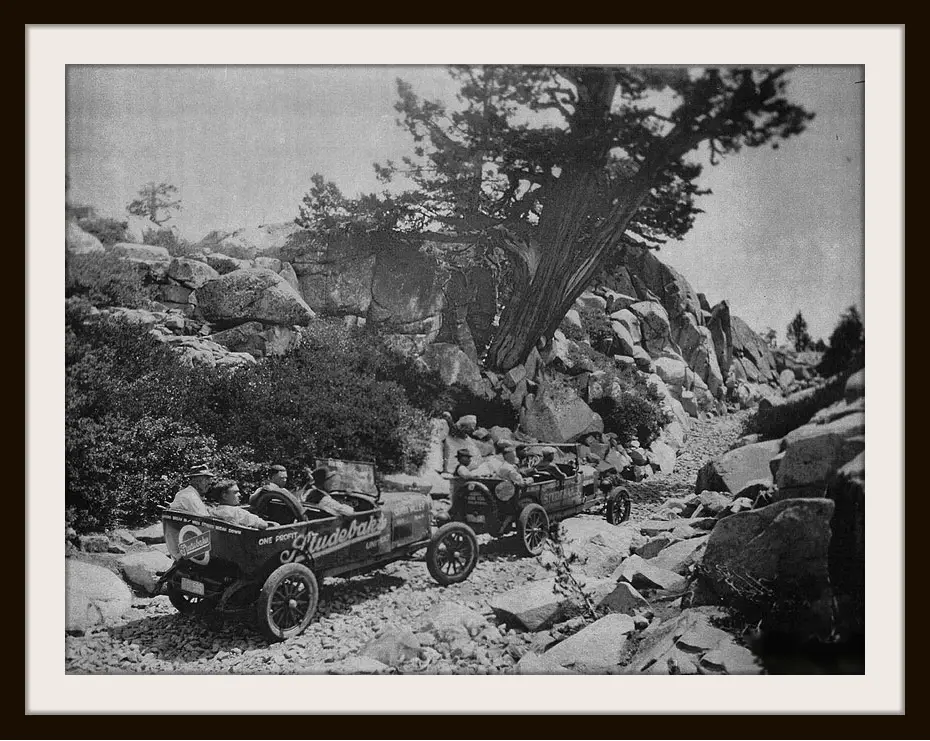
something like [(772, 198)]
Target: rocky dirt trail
[(434, 629)]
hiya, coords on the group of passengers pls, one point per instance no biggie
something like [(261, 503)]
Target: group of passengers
[(513, 464), (206, 496)]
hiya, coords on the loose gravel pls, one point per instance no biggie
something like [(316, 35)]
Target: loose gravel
[(154, 639)]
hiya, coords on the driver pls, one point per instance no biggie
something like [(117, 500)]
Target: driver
[(318, 494), (548, 466)]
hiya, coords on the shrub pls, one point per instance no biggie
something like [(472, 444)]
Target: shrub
[(846, 352), (636, 413), (104, 280), (597, 327), (108, 231), (777, 421), (121, 471), (176, 246)]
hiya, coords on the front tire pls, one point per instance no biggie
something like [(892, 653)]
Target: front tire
[(452, 553), (533, 527), (287, 602)]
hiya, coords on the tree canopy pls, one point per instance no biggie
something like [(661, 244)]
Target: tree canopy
[(553, 168), (155, 203), (797, 333)]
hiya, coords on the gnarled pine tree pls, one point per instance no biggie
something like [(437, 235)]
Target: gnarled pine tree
[(557, 167)]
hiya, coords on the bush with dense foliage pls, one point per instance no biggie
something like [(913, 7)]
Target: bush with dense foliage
[(168, 238), (108, 231), (136, 417), (846, 352), (104, 280), (777, 421), (636, 413), (596, 325)]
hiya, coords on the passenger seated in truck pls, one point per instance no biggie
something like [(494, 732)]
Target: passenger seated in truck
[(224, 503), (316, 494), (547, 466)]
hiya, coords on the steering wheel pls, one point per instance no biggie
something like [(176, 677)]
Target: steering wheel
[(266, 497)]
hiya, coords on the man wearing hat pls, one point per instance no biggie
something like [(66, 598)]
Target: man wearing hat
[(547, 464), (189, 499), (463, 468), (508, 470)]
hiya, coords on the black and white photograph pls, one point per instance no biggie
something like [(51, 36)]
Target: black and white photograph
[(528, 369)]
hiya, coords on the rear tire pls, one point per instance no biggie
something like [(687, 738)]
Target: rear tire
[(533, 528), (186, 604), (618, 506), (452, 553), (287, 602)]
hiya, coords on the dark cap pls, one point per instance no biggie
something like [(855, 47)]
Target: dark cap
[(463, 452)]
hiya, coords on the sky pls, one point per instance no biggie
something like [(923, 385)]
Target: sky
[(782, 231)]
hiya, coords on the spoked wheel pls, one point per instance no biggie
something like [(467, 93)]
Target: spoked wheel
[(287, 601), (452, 553), (533, 527), (618, 506), (186, 604)]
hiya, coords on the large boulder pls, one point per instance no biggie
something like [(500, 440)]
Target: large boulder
[(453, 366), (681, 556), (847, 546), (250, 241), (255, 294), (673, 290), (752, 350), (143, 569), (733, 470), (653, 322), (93, 596), (257, 339), (140, 251), (79, 242), (722, 334), (596, 648), (776, 559), (855, 386), (814, 452), (673, 371), (690, 643), (558, 415), (697, 348), (191, 273), (539, 605), (598, 546), (335, 278), (645, 574), (630, 322), (406, 288), (137, 227), (224, 263)]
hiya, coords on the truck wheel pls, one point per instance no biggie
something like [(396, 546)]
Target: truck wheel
[(533, 527), (287, 601), (618, 506), (183, 602), (452, 553)]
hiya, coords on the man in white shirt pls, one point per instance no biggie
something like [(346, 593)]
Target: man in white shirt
[(190, 498)]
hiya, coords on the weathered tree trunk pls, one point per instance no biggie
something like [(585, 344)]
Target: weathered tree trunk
[(561, 263)]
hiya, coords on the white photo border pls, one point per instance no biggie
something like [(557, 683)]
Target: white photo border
[(50, 48)]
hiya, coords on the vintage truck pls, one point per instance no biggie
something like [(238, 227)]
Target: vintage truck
[(495, 506), (275, 572)]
